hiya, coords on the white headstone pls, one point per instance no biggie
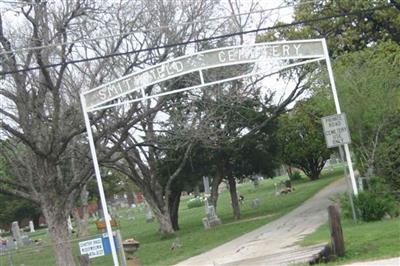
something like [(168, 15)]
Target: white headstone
[(31, 227), (255, 203), (149, 214), (206, 183), (16, 233), (207, 191)]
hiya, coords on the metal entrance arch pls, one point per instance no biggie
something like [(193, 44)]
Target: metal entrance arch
[(104, 96)]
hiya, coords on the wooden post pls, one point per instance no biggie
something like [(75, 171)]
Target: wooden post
[(336, 231)]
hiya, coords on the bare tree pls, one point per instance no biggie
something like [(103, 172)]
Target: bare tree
[(45, 148), (139, 145)]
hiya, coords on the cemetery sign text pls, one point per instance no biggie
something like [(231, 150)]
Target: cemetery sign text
[(203, 60)]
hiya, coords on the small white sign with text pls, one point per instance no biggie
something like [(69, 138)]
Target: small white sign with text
[(336, 130), (92, 247)]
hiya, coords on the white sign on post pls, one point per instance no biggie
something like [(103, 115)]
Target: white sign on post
[(92, 247), (336, 130)]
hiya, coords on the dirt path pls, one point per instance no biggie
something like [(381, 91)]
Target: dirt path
[(279, 236)]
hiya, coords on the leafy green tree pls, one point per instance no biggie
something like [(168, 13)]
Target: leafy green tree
[(355, 31), (388, 154), (368, 86), (17, 209), (301, 138), (13, 208), (365, 44)]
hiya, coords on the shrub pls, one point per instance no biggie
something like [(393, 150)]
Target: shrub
[(295, 176), (345, 206), (195, 203), (371, 205)]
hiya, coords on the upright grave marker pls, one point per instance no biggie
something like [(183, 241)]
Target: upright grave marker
[(16, 232), (31, 227), (212, 218)]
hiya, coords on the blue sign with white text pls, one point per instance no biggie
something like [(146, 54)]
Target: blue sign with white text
[(106, 244)]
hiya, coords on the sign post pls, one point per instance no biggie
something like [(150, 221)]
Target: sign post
[(107, 217), (338, 111), (337, 134)]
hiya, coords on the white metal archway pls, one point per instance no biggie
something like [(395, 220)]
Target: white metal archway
[(134, 84)]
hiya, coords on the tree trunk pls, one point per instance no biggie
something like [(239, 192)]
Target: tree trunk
[(160, 210), (175, 199), (215, 184), (56, 217), (313, 170), (234, 197), (289, 170), (36, 220), (82, 222), (314, 176), (164, 219)]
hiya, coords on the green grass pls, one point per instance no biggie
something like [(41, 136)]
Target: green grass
[(363, 241), (194, 239)]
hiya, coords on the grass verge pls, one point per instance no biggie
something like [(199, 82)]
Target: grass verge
[(363, 241)]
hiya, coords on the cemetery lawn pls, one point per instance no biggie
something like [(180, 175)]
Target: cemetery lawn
[(363, 241), (196, 240), (155, 250)]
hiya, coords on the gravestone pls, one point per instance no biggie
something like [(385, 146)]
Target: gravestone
[(11, 244), (256, 181), (255, 203), (16, 232), (3, 243), (31, 227), (149, 214), (206, 224), (176, 244), (212, 218), (131, 216), (277, 193), (26, 241), (207, 191)]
